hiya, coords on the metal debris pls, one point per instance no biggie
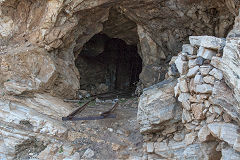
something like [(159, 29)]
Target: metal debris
[(103, 115)]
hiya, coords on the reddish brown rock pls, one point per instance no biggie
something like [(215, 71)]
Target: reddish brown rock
[(197, 110)]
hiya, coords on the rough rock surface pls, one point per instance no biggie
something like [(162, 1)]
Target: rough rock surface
[(33, 122), (158, 106)]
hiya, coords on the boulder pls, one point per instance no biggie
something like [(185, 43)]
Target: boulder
[(149, 48), (158, 107), (32, 69), (150, 75)]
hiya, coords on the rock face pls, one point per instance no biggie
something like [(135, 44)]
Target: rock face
[(33, 122)]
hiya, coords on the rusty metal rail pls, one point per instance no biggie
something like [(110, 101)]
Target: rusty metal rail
[(103, 115)]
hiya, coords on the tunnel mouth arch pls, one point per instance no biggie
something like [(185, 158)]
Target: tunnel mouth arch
[(106, 64)]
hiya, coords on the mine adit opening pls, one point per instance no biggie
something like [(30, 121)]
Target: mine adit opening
[(107, 64)]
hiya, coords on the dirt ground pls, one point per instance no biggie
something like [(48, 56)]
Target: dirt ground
[(112, 138)]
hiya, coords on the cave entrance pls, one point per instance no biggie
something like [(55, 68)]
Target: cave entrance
[(107, 64)]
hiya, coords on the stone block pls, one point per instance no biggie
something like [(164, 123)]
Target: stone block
[(189, 49), (204, 88), (183, 97), (192, 71), (192, 63), (209, 79), (230, 154), (183, 85), (150, 147), (207, 42), (181, 65), (206, 53), (186, 105), (189, 138), (205, 69), (197, 110), (186, 116), (216, 73), (200, 61), (198, 79)]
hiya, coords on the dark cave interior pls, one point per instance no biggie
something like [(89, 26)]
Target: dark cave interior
[(107, 64)]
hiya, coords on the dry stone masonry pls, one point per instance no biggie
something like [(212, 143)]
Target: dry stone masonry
[(209, 124)]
